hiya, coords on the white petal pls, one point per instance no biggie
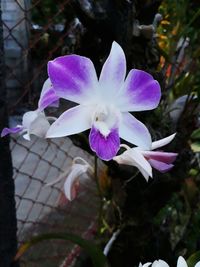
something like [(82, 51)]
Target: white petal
[(47, 84), (35, 123), (181, 262), (163, 142), (134, 131), (141, 163), (147, 264), (197, 264), (113, 73), (27, 137), (28, 118), (72, 121), (159, 263), (39, 126), (72, 179), (135, 158)]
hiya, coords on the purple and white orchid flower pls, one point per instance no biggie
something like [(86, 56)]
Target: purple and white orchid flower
[(104, 103), (144, 160), (33, 122)]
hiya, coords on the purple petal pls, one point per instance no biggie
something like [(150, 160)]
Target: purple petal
[(105, 147), (73, 77), (140, 92), (134, 131), (165, 157), (72, 121), (49, 98), (160, 166), (113, 72), (11, 130)]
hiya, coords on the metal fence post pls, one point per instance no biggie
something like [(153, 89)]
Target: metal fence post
[(8, 225)]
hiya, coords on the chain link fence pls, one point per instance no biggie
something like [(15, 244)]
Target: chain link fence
[(35, 32)]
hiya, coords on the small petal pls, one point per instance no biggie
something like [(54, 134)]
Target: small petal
[(140, 92), (159, 263), (141, 163), (147, 264), (160, 166), (197, 264), (134, 157), (181, 262), (163, 142), (165, 157), (73, 78), (48, 96), (113, 72), (135, 132), (39, 126), (105, 147), (72, 121), (71, 183), (11, 130), (28, 118)]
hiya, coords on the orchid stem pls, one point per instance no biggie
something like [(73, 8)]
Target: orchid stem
[(99, 191)]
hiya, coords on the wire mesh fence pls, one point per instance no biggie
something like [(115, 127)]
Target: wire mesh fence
[(35, 32)]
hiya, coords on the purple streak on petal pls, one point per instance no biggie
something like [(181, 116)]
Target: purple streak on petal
[(49, 98), (165, 157), (140, 92), (105, 147), (73, 77), (160, 166), (134, 131), (11, 130)]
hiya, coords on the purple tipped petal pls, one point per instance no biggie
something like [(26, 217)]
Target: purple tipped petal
[(105, 147), (113, 71), (165, 157), (140, 92), (134, 131), (11, 130), (72, 121), (160, 166), (73, 77), (49, 98)]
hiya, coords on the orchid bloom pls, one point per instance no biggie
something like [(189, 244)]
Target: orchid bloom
[(104, 103), (160, 263), (35, 122), (144, 160), (72, 176)]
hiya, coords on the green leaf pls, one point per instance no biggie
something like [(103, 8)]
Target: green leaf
[(97, 256), (193, 259), (195, 147), (196, 134)]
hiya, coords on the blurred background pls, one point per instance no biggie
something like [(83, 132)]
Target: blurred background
[(158, 219)]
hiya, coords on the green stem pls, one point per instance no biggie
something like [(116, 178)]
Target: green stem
[(99, 191)]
